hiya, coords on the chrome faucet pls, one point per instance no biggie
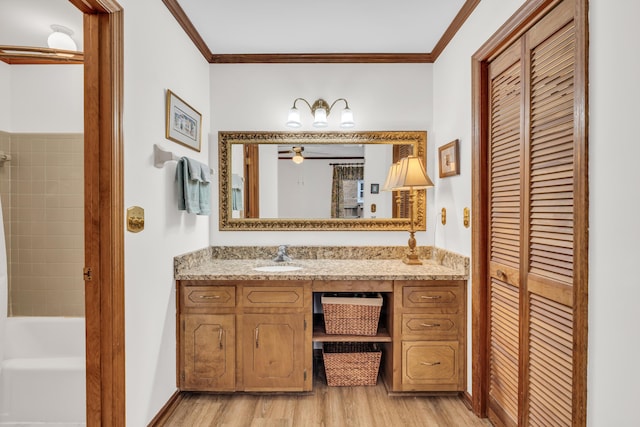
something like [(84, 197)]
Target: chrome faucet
[(282, 256)]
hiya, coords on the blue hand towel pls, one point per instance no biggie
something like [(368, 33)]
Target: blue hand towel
[(194, 192)]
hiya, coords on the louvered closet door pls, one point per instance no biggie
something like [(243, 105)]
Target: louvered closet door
[(506, 167), (550, 221)]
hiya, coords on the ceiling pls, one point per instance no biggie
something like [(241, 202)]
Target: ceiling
[(330, 26), (277, 30)]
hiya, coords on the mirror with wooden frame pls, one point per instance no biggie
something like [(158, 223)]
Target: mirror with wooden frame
[(337, 185)]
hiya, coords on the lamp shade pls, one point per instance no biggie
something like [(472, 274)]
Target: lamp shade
[(412, 175), (346, 118), (293, 120), (392, 177), (320, 118)]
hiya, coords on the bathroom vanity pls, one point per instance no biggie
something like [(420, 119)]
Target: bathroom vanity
[(243, 329)]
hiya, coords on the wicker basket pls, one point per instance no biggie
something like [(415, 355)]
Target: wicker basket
[(351, 314), (351, 364)]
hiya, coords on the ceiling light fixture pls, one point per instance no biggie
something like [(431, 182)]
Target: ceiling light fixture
[(61, 38), (320, 110)]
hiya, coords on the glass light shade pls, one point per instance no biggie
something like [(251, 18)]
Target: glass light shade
[(320, 118), (293, 120), (62, 41), (347, 118), (392, 177), (297, 158), (412, 175)]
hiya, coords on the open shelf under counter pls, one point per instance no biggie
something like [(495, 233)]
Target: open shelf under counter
[(319, 335)]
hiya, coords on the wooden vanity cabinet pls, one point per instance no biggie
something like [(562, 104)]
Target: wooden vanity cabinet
[(244, 335), (429, 336), (258, 335)]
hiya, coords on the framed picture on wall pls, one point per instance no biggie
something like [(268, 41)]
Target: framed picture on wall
[(449, 159), (183, 123)]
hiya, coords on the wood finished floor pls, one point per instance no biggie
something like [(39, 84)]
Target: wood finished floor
[(325, 406)]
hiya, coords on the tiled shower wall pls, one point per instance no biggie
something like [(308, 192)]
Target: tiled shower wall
[(46, 221)]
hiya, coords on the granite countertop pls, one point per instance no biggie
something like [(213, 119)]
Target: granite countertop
[(343, 263)]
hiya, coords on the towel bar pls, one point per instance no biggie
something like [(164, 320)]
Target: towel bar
[(160, 157)]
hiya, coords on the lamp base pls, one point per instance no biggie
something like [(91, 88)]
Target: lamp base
[(412, 259)]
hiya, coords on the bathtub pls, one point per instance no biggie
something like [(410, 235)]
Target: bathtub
[(42, 375)]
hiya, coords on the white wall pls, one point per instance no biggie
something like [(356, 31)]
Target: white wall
[(47, 98), (5, 97), (614, 288), (614, 233), (382, 97), (158, 56), (305, 189)]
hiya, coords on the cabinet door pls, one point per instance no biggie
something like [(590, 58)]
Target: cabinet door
[(208, 358), (273, 352)]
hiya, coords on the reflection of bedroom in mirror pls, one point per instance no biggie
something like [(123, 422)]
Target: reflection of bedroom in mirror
[(271, 180)]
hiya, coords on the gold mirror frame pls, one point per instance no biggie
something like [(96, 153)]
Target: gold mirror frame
[(225, 139)]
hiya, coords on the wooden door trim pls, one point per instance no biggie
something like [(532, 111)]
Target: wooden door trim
[(520, 22), (104, 223)]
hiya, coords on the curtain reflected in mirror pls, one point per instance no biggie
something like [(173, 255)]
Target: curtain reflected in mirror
[(346, 197)]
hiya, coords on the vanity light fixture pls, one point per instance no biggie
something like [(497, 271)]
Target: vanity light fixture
[(409, 175), (61, 38), (320, 110)]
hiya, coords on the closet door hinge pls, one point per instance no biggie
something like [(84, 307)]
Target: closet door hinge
[(86, 273), (305, 375)]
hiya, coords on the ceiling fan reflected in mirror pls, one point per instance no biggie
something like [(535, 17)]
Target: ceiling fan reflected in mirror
[(297, 156)]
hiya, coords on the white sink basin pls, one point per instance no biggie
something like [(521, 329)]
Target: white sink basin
[(277, 268)]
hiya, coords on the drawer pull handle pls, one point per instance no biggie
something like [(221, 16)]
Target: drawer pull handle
[(430, 325), (430, 363), (430, 296), (220, 338), (209, 296), (257, 329)]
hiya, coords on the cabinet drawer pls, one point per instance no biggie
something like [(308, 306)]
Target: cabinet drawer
[(208, 296), (442, 299), (431, 363), (430, 326), (273, 296)]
